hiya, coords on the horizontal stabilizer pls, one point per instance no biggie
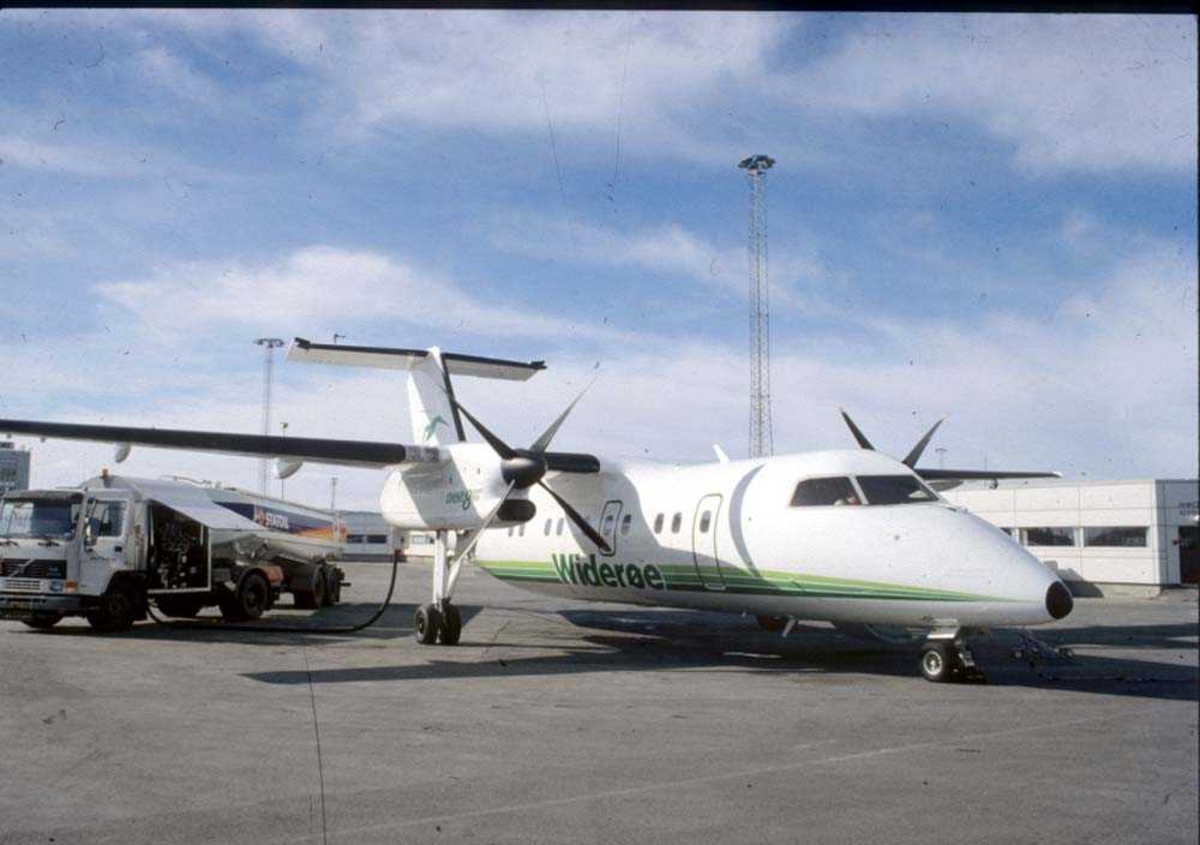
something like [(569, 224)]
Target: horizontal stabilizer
[(385, 358), (360, 453)]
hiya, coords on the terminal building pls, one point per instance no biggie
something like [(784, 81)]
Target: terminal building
[(369, 536), (14, 467), (1102, 537)]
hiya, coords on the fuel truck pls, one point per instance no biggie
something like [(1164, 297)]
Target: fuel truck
[(112, 546)]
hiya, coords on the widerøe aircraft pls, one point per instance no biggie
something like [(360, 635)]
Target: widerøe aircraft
[(853, 537)]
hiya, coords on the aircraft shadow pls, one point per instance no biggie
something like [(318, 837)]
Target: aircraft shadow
[(656, 640)]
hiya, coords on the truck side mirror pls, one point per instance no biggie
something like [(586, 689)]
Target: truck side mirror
[(89, 532)]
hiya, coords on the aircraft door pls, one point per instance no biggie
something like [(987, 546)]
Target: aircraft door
[(704, 542), (608, 525)]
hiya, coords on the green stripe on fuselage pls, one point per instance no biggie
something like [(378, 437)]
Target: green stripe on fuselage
[(683, 578)]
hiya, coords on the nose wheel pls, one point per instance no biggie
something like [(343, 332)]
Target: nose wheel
[(945, 661)]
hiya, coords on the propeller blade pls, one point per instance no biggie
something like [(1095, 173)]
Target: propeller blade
[(487, 521), (575, 517), (911, 459), (543, 443), (499, 446), (858, 435)]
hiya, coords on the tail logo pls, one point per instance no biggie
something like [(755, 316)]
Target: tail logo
[(432, 427)]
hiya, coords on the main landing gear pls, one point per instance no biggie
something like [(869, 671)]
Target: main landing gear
[(439, 621), (433, 624), (948, 659)]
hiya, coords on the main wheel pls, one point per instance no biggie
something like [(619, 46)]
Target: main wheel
[(426, 624), (117, 610), (185, 607), (451, 628), (773, 624), (938, 661), (43, 621)]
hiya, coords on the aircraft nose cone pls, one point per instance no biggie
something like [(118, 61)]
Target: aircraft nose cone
[(1058, 600)]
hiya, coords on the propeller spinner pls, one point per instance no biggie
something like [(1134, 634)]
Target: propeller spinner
[(523, 468)]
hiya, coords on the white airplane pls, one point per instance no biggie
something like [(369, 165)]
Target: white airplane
[(852, 537)]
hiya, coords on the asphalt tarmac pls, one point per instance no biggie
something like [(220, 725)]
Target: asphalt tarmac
[(557, 721)]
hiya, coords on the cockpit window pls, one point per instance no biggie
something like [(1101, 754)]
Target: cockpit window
[(894, 490), (815, 492)]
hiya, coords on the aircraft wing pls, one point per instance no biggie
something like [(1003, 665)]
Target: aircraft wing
[(978, 474), (359, 453)]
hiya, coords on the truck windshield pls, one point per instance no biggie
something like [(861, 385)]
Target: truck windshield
[(38, 518)]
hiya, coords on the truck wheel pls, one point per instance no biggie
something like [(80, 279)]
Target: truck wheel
[(325, 576), (117, 610), (451, 628), (314, 596), (252, 597), (43, 621), (184, 607), (333, 595), (426, 624)]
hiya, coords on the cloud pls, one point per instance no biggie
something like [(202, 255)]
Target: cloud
[(1102, 385), (1069, 92), (668, 249), (321, 285)]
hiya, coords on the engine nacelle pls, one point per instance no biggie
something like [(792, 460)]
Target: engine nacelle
[(285, 468), (454, 495)]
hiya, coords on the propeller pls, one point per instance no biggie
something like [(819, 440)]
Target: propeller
[(523, 468), (914, 455), (943, 478)]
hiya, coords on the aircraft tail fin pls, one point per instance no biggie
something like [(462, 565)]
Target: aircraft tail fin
[(435, 418)]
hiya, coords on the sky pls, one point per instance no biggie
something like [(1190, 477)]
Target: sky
[(986, 218)]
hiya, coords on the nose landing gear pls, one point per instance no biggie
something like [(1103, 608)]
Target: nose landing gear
[(949, 660)]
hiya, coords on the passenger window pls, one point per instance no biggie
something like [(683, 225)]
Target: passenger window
[(819, 492), (705, 521), (510, 530), (521, 530), (626, 523), (676, 522), (559, 528), (549, 523), (608, 525), (658, 524)]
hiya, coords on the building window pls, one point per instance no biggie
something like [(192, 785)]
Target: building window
[(658, 524), (1049, 536), (1095, 536), (626, 523), (676, 523), (818, 492), (705, 521)]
